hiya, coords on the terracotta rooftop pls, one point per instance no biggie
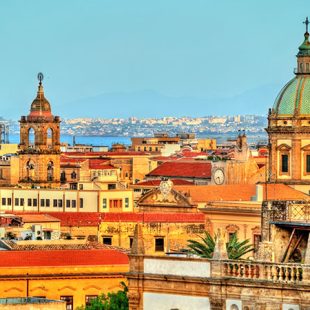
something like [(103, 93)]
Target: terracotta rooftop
[(200, 170), (62, 258), (81, 219), (240, 192), (100, 164), (38, 218), (103, 154), (155, 183), (155, 217)]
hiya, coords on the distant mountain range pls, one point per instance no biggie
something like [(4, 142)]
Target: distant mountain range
[(150, 103)]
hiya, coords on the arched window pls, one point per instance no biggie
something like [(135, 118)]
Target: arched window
[(49, 137), (31, 137), (234, 307), (50, 171)]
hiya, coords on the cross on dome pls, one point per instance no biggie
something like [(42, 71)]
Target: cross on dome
[(306, 22)]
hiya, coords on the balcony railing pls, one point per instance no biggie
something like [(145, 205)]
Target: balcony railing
[(288, 273), (290, 212)]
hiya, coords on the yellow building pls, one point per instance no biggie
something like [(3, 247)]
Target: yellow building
[(206, 144), (8, 148), (163, 232), (74, 276), (56, 200)]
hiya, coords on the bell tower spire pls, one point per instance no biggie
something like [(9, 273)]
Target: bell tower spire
[(303, 56), (39, 154)]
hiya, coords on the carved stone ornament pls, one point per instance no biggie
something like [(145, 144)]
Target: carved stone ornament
[(165, 188)]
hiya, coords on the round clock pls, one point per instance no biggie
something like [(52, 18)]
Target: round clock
[(218, 177)]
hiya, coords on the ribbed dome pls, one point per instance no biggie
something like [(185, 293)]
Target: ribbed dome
[(294, 98), (40, 105)]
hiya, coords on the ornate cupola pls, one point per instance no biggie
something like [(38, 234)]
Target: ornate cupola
[(303, 56), (289, 124), (40, 143)]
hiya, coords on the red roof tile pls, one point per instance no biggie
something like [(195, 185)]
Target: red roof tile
[(103, 154), (62, 258), (94, 218), (155, 217), (155, 183), (183, 169), (240, 192)]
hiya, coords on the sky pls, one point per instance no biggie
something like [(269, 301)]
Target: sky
[(120, 58)]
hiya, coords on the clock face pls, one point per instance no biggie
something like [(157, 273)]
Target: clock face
[(218, 176)]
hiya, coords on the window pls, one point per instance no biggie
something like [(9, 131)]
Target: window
[(111, 186), (159, 244), (22, 201), (284, 163), (55, 203), (104, 203), (107, 240), (73, 175), (81, 202), (29, 202), (42, 202), (47, 202), (3, 201), (126, 202), (16, 202), (9, 201), (89, 298), (67, 203), (231, 235), (73, 203), (307, 67), (308, 163), (116, 203), (63, 176), (69, 301), (35, 202), (59, 203), (130, 242), (80, 187)]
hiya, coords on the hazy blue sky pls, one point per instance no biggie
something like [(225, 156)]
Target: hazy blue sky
[(110, 58)]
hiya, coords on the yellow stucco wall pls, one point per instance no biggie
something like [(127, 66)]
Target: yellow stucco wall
[(54, 282)]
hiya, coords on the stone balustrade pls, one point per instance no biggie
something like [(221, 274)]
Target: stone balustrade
[(286, 273), (237, 269)]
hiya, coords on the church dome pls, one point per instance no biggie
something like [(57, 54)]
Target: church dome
[(294, 98), (40, 105)]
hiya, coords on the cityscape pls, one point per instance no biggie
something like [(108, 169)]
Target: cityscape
[(158, 210)]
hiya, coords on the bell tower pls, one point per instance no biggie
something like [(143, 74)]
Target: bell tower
[(39, 155)]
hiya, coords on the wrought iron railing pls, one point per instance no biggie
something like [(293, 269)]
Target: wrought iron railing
[(298, 211)]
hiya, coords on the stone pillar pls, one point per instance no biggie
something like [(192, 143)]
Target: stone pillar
[(295, 159), (273, 168), (217, 303), (307, 254), (220, 251)]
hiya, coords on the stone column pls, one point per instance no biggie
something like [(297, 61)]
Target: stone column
[(307, 254), (295, 160)]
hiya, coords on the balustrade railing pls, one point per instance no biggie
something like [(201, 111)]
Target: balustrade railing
[(288, 273)]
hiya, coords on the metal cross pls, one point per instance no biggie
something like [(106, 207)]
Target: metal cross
[(306, 22)]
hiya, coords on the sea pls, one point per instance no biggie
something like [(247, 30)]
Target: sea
[(108, 141)]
